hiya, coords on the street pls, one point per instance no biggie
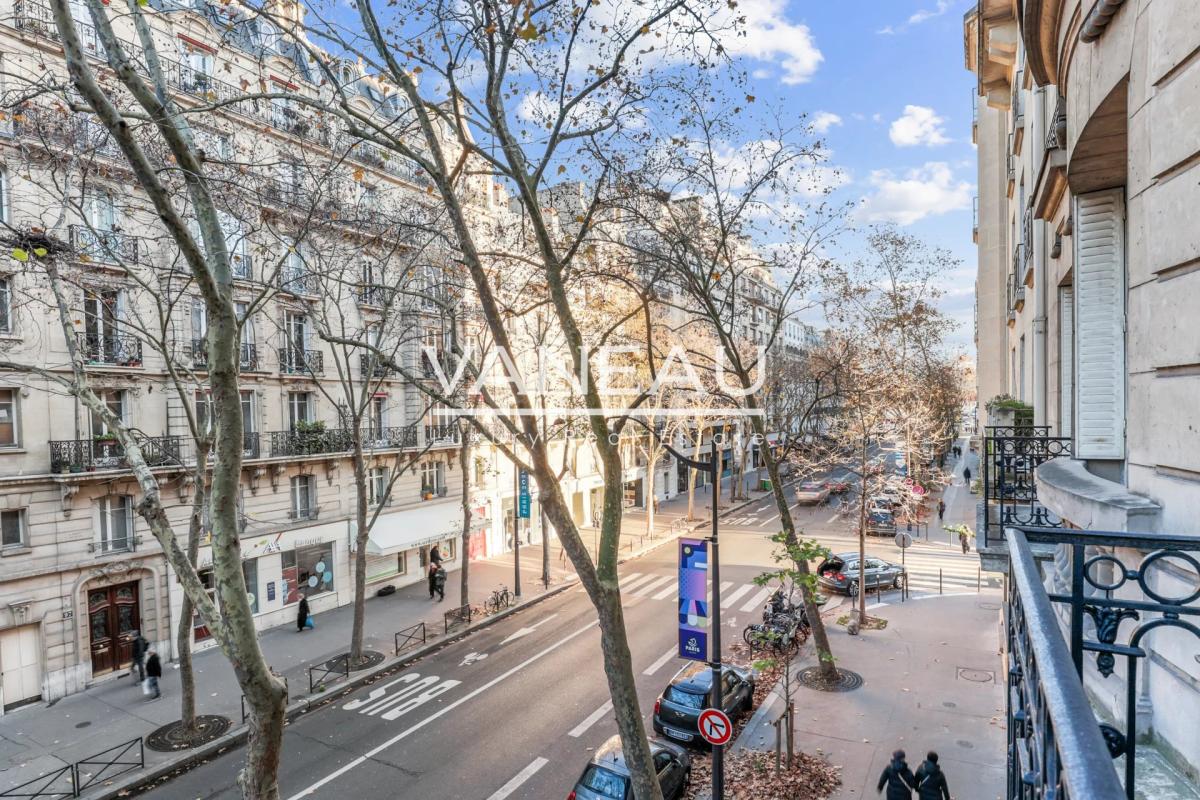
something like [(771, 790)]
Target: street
[(516, 709)]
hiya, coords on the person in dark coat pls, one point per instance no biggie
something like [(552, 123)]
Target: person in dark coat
[(302, 614), (941, 510), (140, 646), (931, 781), (153, 672), (967, 475), (431, 577), (897, 778), (439, 583), (435, 556)]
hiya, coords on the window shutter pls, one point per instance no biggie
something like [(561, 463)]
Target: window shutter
[(1099, 339), (1066, 360)]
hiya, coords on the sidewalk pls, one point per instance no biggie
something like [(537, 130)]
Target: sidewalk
[(923, 689), (40, 740)]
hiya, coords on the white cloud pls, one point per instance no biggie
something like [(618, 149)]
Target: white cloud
[(761, 74), (918, 125), (768, 35), (886, 30), (929, 13), (927, 190), (824, 120)]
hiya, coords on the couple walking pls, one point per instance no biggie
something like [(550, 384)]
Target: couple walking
[(146, 666), (929, 783)]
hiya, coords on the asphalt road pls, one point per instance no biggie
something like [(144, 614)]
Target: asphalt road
[(515, 710)]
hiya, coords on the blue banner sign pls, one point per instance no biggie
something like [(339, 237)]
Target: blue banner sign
[(523, 495), (693, 599)]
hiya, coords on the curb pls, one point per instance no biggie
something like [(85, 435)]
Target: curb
[(144, 780)]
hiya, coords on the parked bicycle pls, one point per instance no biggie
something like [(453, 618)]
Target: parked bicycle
[(501, 599), (784, 625)]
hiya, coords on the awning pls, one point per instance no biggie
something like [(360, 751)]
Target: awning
[(415, 527)]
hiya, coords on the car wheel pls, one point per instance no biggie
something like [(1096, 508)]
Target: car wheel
[(854, 588), (899, 582)]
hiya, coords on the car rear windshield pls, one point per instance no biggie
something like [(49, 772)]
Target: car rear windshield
[(603, 782), (686, 699)]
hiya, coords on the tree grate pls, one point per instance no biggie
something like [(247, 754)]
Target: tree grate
[(171, 737), (370, 658), (846, 680)]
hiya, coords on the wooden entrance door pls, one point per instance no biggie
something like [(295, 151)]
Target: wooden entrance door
[(113, 616)]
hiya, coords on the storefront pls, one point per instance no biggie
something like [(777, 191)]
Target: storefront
[(399, 543)]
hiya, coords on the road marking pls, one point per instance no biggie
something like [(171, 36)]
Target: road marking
[(626, 579), (671, 589), (627, 589), (442, 712), (836, 514), (518, 779), (730, 599), (654, 585), (591, 719), (766, 522), (528, 629), (757, 601), (657, 665)]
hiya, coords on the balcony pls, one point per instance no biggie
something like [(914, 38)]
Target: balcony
[(37, 19), (102, 452), (370, 367), (378, 296), (1056, 745), (390, 438), (241, 264), (247, 356), (442, 434), (1026, 271), (104, 247), (294, 361), (310, 441), (1018, 112), (1011, 453), (112, 349), (299, 281)]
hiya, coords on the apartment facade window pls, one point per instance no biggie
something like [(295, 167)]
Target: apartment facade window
[(377, 483), (204, 410), (6, 310), (304, 497), (433, 479), (114, 401), (13, 533), (300, 408), (247, 356), (115, 523), (10, 433)]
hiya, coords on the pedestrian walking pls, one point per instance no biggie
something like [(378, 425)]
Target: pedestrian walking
[(897, 778), (967, 475), (140, 646), (302, 614), (941, 509), (964, 541), (153, 673), (431, 577), (931, 781), (439, 583), (435, 555)]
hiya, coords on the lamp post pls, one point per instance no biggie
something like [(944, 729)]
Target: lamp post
[(714, 659)]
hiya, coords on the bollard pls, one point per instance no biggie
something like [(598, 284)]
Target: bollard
[(939, 580), (978, 579)]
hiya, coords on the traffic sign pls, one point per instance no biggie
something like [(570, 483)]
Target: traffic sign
[(715, 726), (903, 540)]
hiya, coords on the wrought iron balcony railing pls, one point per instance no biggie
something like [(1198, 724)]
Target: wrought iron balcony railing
[(444, 433), (310, 442), (247, 356), (370, 295), (294, 361), (105, 247), (1011, 454), (116, 349), (87, 455), (371, 368), (389, 438), (297, 281), (1056, 746)]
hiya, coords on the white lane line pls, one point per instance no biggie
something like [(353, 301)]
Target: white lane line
[(757, 601), (657, 665), (766, 522), (591, 719), (653, 586), (627, 589), (518, 779), (627, 579), (836, 514), (441, 712), (729, 599), (671, 589)]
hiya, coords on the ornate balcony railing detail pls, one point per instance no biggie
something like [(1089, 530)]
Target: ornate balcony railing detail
[(370, 367), (389, 438), (294, 361), (298, 281), (1011, 454), (247, 356), (1056, 746), (105, 247), (444, 433), (309, 442), (86, 455), (117, 349)]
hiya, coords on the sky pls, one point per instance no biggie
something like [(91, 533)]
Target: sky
[(884, 81)]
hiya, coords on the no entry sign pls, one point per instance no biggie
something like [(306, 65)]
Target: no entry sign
[(715, 726)]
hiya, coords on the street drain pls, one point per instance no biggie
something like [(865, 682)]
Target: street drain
[(976, 675), (950, 704), (846, 680), (82, 725)]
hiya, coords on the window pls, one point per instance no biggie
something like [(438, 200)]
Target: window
[(247, 355), (204, 410), (433, 479), (101, 213), (200, 631), (4, 188), (199, 333), (9, 435), (684, 698), (304, 497), (378, 416), (114, 400), (296, 332), (116, 523), (377, 483), (102, 312), (604, 783), (6, 315), (12, 529), (247, 397), (308, 570), (300, 408), (449, 549)]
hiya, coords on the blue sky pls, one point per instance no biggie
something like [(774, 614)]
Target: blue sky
[(892, 73)]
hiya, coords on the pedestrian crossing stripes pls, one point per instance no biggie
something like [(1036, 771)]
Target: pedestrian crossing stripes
[(729, 599)]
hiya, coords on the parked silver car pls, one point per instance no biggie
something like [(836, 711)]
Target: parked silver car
[(840, 573)]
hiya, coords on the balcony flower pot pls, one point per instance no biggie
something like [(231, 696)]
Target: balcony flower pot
[(427, 495)]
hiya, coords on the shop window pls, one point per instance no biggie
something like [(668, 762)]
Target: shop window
[(449, 549), (308, 570)]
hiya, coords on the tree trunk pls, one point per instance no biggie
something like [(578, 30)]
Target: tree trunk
[(652, 494), (464, 553), (183, 635), (361, 536)]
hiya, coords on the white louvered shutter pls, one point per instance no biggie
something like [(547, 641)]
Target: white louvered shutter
[(1066, 360), (1099, 417)]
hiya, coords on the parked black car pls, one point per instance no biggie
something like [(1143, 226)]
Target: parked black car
[(606, 777), (677, 710), (840, 573)]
